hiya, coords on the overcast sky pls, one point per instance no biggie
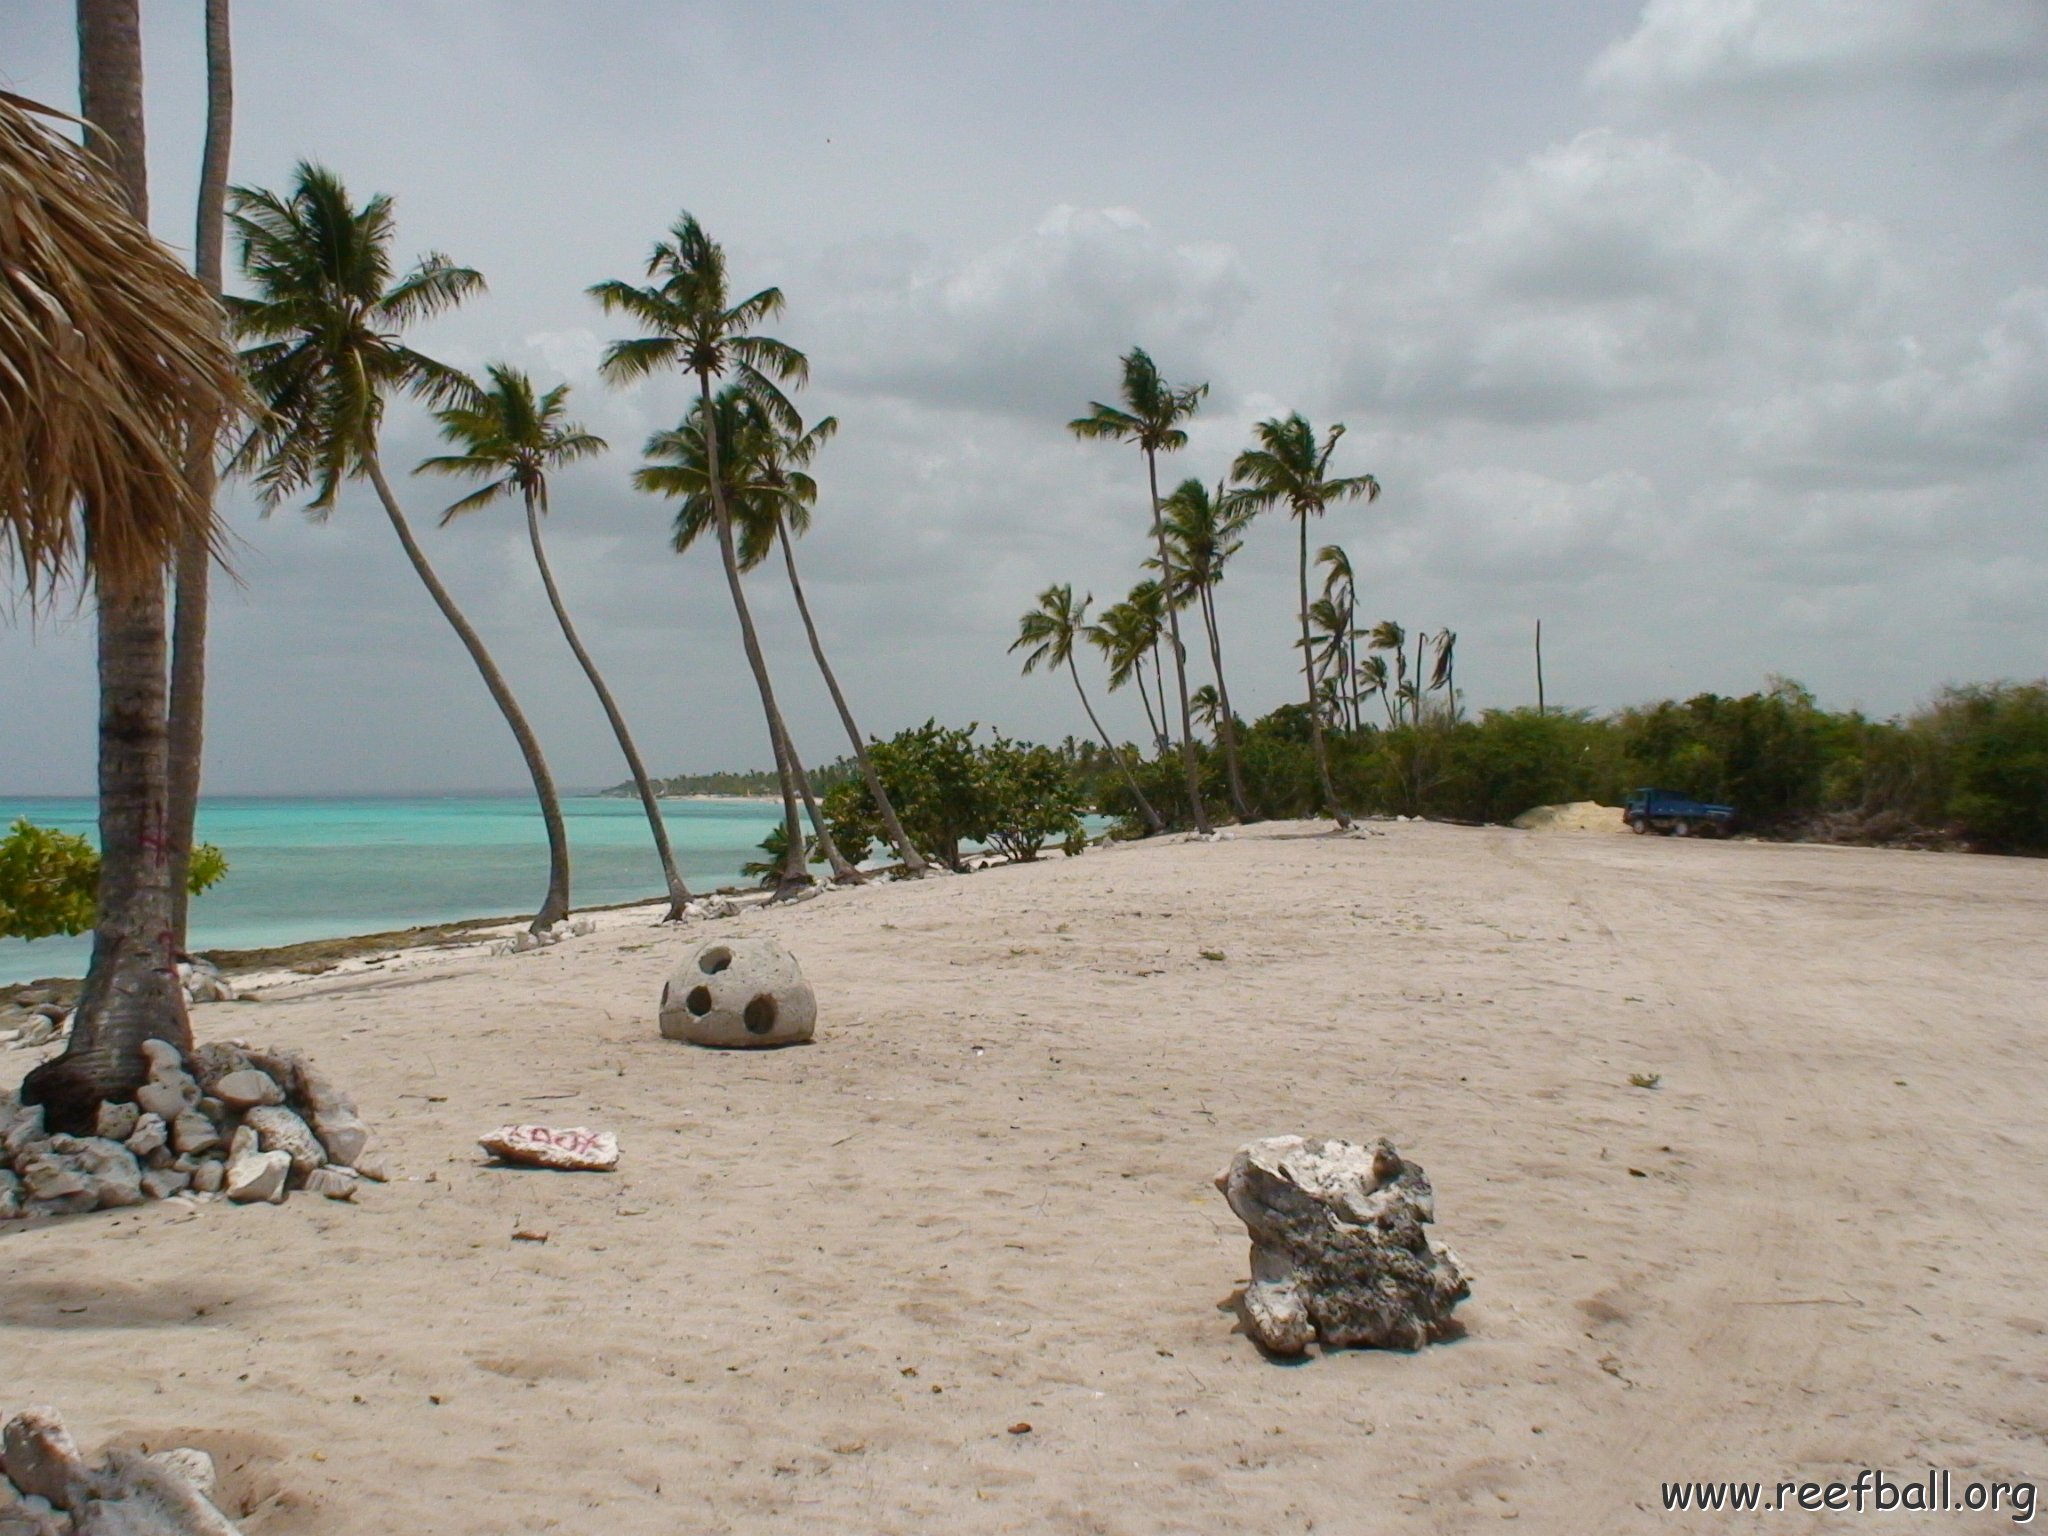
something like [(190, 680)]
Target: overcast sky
[(1713, 333)]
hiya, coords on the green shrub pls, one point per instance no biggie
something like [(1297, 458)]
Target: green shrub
[(1996, 740), (1032, 798), (49, 881)]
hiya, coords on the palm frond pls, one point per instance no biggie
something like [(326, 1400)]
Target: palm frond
[(114, 370)]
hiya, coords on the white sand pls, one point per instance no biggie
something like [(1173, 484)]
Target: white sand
[(1574, 816), (826, 1280)]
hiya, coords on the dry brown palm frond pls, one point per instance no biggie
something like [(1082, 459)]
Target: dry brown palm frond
[(115, 368)]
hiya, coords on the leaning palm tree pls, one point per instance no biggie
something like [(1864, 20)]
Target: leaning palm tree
[(326, 357), (511, 439), (1204, 532), (792, 518), (1127, 634), (195, 559), (1444, 672), (1340, 586), (1149, 417), (678, 467), (1050, 631), (694, 325), (1148, 601), (1390, 636), (1372, 679), (1330, 631), (773, 495), (116, 371), (1289, 468)]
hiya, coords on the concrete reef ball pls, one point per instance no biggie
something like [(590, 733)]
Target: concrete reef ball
[(738, 992)]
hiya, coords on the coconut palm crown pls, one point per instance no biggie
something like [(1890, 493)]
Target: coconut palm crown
[(696, 327), (1151, 412), (762, 469), (324, 329)]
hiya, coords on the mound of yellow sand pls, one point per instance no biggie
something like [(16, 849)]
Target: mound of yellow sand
[(1579, 816)]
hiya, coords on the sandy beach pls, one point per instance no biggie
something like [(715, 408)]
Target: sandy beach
[(826, 1282)]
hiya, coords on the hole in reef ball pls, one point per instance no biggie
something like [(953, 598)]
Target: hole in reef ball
[(760, 1014), (712, 961), (699, 1001)]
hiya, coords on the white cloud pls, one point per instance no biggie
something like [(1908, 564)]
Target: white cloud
[(1031, 327), (1609, 269), (1961, 404), (1684, 48), (1516, 527)]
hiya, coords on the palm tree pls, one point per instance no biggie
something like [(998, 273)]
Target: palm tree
[(1127, 634), (1389, 636), (1444, 674), (1330, 630), (1341, 588), (1204, 533), (694, 325), (1207, 705), (195, 559), (1287, 467), (124, 358), (1050, 630), (786, 457), (1151, 408), (754, 486), (512, 439), (325, 357), (1148, 602), (1373, 679)]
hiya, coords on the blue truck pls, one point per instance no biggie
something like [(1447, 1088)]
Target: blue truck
[(1660, 810)]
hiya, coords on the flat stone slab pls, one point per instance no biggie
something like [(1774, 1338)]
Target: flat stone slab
[(542, 1146)]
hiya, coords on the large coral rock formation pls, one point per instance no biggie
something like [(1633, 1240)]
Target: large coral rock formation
[(739, 992), (1338, 1250), (47, 1488)]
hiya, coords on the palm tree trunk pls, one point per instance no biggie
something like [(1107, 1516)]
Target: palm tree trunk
[(1145, 698), (1162, 733), (796, 871), (131, 991), (905, 849), (556, 905), (843, 872), (1420, 636), (1226, 723), (1180, 655), (1351, 662), (194, 570), (1315, 715), (678, 893), (1151, 816)]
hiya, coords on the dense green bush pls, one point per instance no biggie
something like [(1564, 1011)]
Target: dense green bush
[(1995, 740), (1971, 767), (1033, 799), (950, 792), (49, 881)]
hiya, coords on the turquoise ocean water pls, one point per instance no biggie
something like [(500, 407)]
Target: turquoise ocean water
[(316, 868)]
